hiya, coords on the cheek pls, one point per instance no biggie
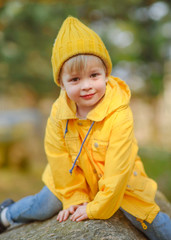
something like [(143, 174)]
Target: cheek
[(102, 87), (71, 92)]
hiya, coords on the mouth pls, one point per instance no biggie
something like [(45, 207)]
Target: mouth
[(88, 96)]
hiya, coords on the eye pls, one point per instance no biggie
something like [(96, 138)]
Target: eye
[(94, 75), (75, 79)]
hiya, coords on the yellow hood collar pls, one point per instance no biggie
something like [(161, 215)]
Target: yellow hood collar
[(117, 96)]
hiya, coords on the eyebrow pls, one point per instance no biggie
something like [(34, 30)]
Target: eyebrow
[(95, 69)]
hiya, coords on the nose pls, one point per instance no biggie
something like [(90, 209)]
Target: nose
[(86, 84)]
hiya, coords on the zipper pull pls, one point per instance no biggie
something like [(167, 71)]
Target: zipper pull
[(142, 223)]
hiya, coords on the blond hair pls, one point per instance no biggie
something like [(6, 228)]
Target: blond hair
[(79, 63)]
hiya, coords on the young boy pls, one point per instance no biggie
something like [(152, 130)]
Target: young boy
[(93, 167)]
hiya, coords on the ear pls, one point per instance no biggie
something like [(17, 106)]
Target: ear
[(62, 85), (106, 79)]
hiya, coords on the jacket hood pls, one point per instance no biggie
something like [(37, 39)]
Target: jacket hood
[(117, 96)]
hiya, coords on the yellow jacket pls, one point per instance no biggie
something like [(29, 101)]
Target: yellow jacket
[(108, 173)]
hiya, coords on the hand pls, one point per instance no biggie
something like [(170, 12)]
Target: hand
[(64, 214), (80, 213)]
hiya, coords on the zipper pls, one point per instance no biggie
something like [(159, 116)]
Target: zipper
[(144, 226)]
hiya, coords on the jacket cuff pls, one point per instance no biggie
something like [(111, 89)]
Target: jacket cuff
[(88, 211)]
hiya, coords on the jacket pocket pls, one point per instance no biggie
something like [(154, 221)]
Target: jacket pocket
[(136, 183), (141, 186), (99, 149)]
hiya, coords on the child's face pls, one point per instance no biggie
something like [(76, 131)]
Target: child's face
[(85, 87)]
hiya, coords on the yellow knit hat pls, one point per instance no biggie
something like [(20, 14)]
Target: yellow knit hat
[(75, 38)]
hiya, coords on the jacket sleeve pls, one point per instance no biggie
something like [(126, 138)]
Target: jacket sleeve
[(70, 190), (120, 157)]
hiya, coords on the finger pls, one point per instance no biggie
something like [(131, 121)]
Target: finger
[(62, 215), (73, 217), (76, 214), (81, 218), (66, 215), (78, 217), (71, 209), (58, 216)]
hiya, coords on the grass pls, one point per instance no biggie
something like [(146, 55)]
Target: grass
[(157, 164)]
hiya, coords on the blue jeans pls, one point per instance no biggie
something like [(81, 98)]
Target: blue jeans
[(40, 206), (159, 229), (44, 205)]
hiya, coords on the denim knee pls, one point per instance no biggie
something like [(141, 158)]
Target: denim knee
[(40, 206)]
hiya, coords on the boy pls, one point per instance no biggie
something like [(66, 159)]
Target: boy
[(93, 167)]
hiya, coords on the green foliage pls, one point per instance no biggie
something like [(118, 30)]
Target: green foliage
[(157, 165), (28, 30)]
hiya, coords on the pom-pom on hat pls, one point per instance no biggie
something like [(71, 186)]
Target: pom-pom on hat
[(75, 38)]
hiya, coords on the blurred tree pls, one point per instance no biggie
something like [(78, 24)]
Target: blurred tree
[(136, 33)]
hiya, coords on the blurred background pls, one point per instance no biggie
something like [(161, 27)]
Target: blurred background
[(137, 34)]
